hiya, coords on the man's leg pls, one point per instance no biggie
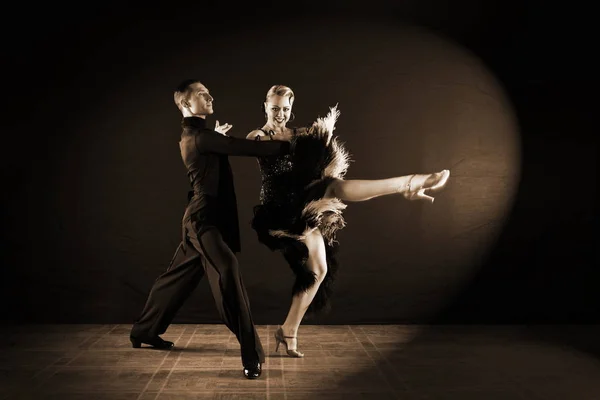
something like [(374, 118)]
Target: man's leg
[(170, 291), (230, 295)]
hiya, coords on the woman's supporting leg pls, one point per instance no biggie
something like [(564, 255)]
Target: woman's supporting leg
[(317, 263)]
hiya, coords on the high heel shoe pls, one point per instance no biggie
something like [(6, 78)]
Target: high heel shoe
[(416, 190), (280, 338)]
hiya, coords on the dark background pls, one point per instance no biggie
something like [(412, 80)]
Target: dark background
[(94, 188)]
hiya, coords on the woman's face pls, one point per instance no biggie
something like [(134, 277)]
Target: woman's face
[(278, 110)]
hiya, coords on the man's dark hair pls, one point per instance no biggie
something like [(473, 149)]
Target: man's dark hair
[(184, 85)]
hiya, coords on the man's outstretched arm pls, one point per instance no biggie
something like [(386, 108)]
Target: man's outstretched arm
[(214, 142)]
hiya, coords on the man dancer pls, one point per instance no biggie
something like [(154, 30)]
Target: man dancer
[(210, 232)]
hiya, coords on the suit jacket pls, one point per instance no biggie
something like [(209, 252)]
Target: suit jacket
[(212, 201)]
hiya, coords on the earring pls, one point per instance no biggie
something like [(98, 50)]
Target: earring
[(293, 117)]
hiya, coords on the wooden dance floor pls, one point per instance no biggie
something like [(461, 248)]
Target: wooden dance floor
[(92, 362)]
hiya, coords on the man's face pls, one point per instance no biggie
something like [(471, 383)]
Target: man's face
[(278, 110), (200, 102)]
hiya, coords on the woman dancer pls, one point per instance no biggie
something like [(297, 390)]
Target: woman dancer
[(301, 204)]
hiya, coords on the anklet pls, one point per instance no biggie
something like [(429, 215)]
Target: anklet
[(399, 190)]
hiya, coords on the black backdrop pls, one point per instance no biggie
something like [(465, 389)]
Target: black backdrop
[(94, 187)]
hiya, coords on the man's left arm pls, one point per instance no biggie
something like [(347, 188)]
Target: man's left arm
[(209, 141)]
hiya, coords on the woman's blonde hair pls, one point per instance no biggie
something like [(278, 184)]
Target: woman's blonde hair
[(280, 90)]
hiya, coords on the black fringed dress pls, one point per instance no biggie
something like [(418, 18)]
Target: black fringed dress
[(292, 202)]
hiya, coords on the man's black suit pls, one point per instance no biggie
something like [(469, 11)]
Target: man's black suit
[(210, 238)]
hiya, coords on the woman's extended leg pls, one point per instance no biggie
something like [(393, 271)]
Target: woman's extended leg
[(411, 186)]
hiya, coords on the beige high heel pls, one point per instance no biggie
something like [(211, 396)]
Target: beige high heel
[(280, 338), (417, 191)]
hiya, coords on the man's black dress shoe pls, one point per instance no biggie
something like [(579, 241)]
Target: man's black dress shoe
[(252, 371), (157, 342)]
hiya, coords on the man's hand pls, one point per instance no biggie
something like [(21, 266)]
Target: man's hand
[(280, 137), (222, 129)]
